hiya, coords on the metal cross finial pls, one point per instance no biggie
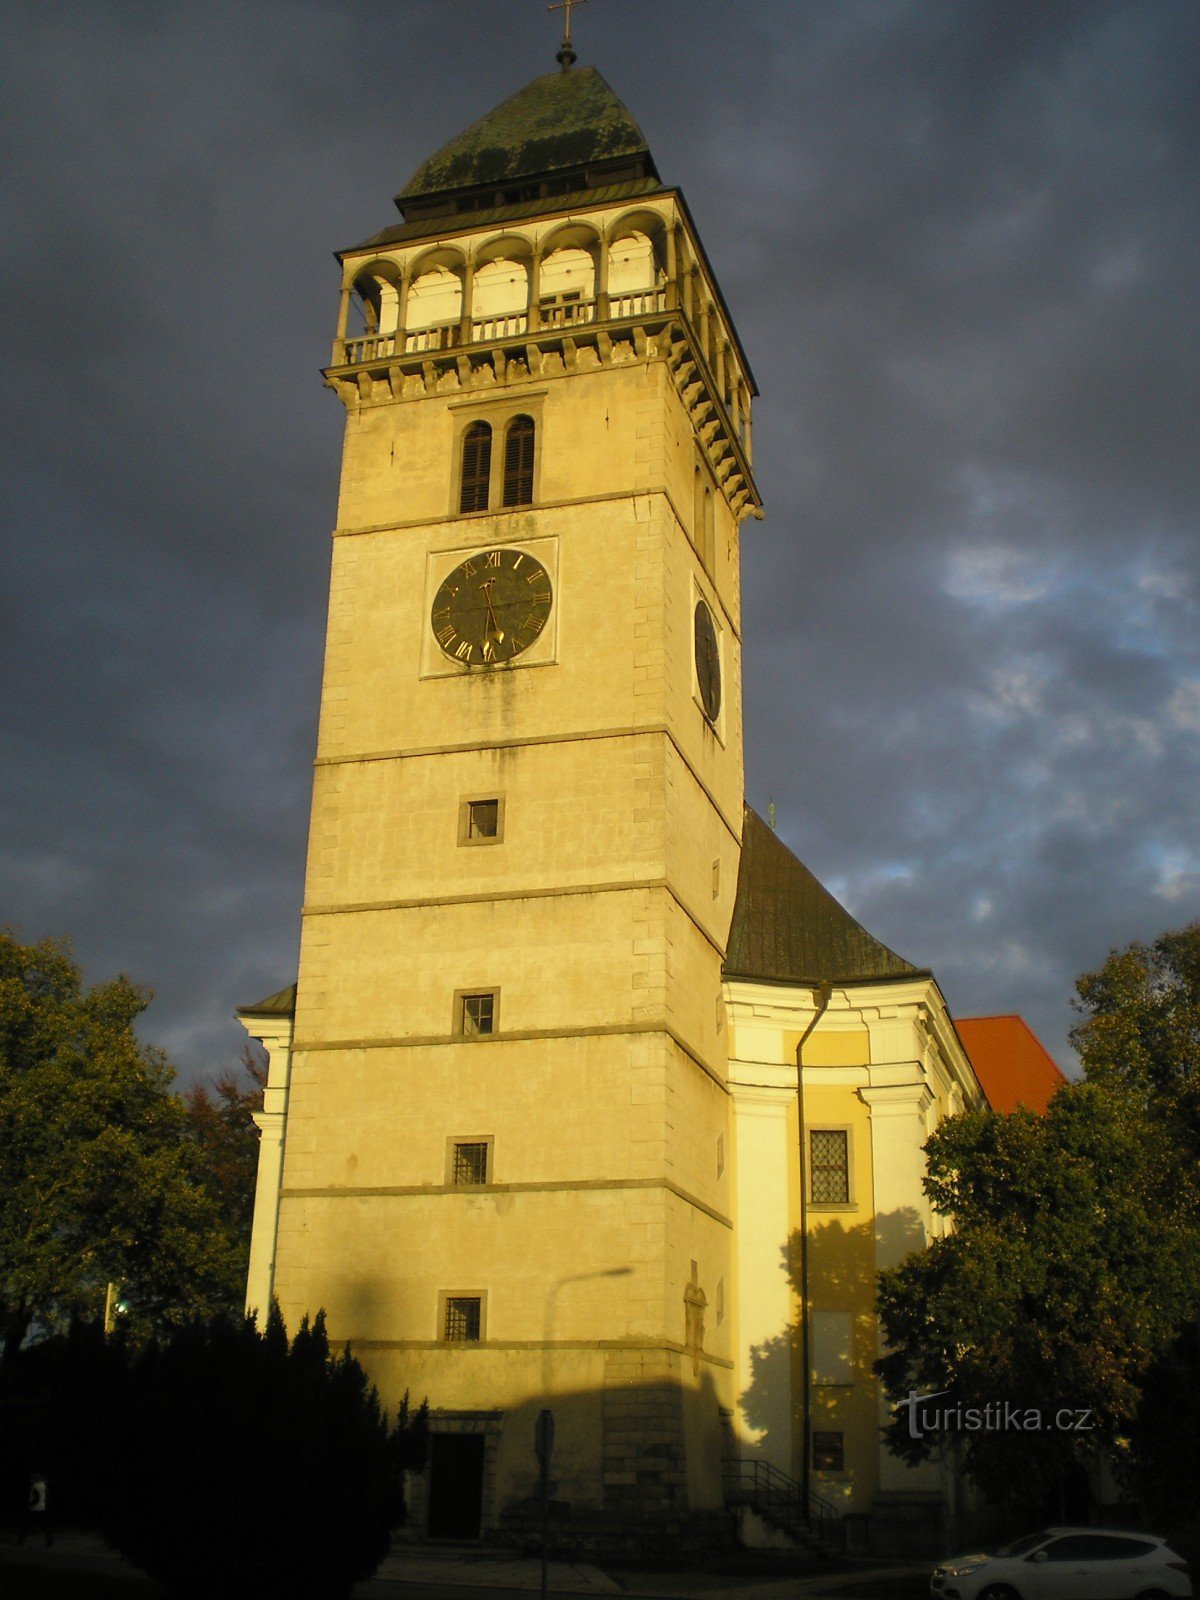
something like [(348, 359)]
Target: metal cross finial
[(566, 56)]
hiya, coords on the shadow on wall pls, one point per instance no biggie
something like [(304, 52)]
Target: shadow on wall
[(842, 1429)]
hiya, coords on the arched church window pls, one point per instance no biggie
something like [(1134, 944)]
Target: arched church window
[(518, 462), (476, 467)]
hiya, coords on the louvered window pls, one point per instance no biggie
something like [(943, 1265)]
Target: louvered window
[(476, 467), (518, 462)]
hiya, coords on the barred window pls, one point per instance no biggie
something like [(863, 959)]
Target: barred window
[(829, 1166), (518, 462), (476, 467), (470, 1163), (462, 1319)]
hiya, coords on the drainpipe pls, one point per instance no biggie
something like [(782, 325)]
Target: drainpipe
[(821, 997)]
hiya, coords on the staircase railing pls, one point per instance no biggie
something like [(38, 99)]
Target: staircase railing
[(765, 1489)]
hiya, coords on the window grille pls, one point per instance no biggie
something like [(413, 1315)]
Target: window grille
[(479, 1012), (462, 1319), (476, 467), (829, 1166), (518, 462), (470, 1164)]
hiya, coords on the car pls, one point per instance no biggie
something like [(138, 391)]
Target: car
[(1068, 1564)]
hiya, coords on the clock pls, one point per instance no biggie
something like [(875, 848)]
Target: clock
[(491, 607), (708, 662)]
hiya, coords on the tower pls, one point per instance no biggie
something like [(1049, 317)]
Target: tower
[(498, 1156)]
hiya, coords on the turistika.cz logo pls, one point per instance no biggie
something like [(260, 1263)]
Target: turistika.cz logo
[(926, 1417)]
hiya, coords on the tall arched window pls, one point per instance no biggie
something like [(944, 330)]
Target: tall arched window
[(518, 462), (476, 467)]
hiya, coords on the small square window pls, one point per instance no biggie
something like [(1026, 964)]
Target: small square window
[(469, 1162), (829, 1166), (481, 819), (462, 1318), (829, 1452), (476, 1011)]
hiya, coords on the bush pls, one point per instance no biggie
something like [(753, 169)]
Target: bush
[(240, 1466)]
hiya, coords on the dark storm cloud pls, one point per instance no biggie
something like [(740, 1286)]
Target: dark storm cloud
[(960, 244)]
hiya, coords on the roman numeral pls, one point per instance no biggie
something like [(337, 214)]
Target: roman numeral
[(492, 559), (445, 634), (469, 569), (517, 562), (488, 650), (463, 653)]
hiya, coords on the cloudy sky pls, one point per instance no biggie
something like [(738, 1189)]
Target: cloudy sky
[(960, 244)]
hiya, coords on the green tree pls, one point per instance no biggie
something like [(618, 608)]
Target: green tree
[(98, 1180), (1140, 1036), (219, 1125), (1074, 1261), (242, 1466)]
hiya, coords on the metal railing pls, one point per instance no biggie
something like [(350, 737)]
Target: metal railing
[(775, 1496)]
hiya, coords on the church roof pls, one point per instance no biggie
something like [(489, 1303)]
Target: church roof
[(280, 1004), (1012, 1064), (560, 122), (788, 928)]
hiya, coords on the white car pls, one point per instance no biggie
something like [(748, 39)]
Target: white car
[(1068, 1564)]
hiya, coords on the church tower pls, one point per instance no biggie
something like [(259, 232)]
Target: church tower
[(498, 1154)]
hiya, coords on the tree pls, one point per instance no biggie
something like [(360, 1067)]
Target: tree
[(1074, 1264), (243, 1466), (98, 1181), (1141, 1036), (219, 1124)]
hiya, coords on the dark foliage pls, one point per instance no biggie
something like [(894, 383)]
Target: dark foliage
[(223, 1461), (1071, 1279), (245, 1466)]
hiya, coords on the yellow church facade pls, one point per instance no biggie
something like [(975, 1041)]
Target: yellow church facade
[(530, 1134)]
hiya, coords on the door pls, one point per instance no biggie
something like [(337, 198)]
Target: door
[(456, 1485)]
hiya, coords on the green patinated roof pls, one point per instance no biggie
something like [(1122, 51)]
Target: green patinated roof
[(788, 928), (559, 121), (281, 1004)]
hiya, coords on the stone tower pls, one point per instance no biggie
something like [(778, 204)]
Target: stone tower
[(496, 1131)]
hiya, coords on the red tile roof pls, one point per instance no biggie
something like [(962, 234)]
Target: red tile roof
[(1013, 1066)]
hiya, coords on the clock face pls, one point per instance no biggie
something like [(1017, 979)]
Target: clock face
[(491, 607), (708, 662)]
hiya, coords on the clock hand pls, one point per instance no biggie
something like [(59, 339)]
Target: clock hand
[(491, 628)]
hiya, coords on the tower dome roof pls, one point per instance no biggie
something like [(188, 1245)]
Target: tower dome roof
[(562, 123)]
